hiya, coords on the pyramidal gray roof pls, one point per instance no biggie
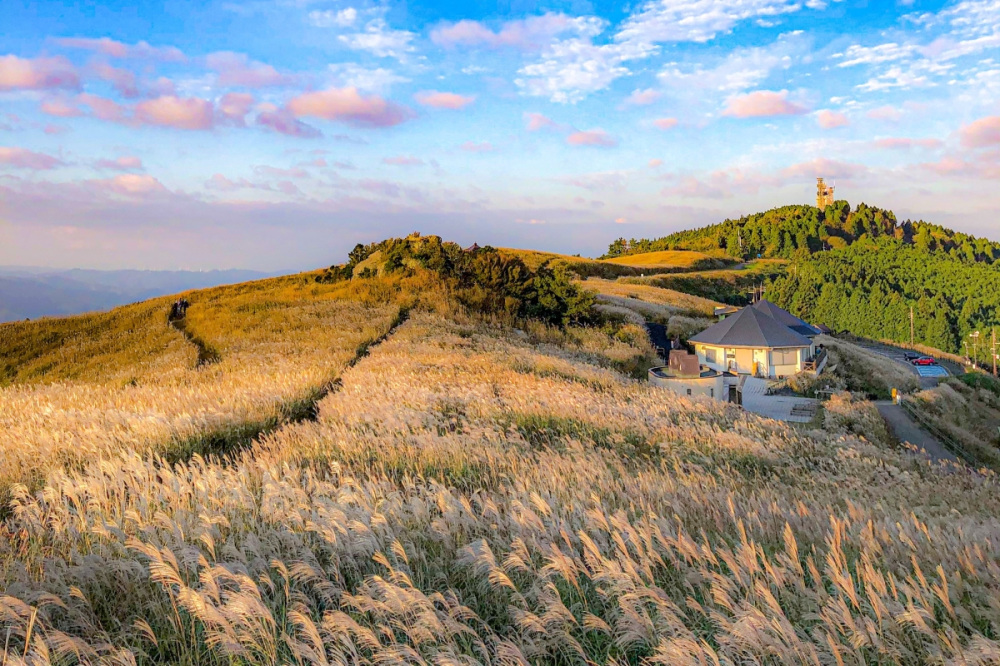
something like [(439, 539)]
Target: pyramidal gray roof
[(751, 327), (785, 317)]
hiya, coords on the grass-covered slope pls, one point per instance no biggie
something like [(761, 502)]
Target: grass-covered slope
[(90, 386), (476, 495)]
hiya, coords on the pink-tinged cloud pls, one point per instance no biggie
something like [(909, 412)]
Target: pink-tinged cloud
[(403, 160), (665, 123), (55, 129), (116, 49), (655, 163), (827, 119), (123, 163), (348, 106), (103, 108), (237, 70), (131, 184), (532, 33), (37, 73), (642, 97), (22, 158), (123, 80), (826, 168), (982, 133), (901, 143), (594, 137), (187, 113), (536, 121), (887, 112), (444, 100), (283, 122), (233, 107), (984, 166), (220, 183), (60, 108), (473, 147), (762, 104)]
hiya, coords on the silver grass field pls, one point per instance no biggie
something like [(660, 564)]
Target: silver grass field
[(472, 493)]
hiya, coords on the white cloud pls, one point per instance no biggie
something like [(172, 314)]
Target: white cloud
[(571, 69), (696, 20), (352, 75), (872, 55), (380, 40), (343, 18), (742, 69)]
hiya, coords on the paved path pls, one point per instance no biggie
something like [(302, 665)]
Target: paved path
[(780, 407), (905, 430)]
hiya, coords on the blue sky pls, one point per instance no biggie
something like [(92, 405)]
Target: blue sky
[(276, 134)]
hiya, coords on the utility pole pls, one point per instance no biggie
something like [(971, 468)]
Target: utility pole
[(975, 348), (994, 351), (911, 325)]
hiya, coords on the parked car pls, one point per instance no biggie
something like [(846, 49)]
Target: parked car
[(924, 360), (911, 356)]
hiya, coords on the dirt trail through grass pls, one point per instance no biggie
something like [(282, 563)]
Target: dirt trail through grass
[(206, 353), (238, 437)]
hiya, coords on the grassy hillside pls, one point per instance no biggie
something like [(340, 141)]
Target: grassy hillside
[(654, 263), (731, 285), (478, 496), (85, 387), (474, 489), (677, 259)]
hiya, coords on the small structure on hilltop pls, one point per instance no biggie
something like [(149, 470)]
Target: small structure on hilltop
[(762, 340), (824, 194), (686, 376)]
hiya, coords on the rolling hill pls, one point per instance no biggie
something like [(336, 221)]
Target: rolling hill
[(29, 293), (406, 466), (861, 271)]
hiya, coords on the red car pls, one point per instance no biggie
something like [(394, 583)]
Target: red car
[(924, 360)]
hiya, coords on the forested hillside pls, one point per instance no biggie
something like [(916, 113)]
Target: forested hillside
[(799, 231), (869, 288), (861, 270)]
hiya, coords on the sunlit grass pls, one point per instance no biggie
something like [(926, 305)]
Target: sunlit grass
[(487, 492)]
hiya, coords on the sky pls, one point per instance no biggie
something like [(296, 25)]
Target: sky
[(277, 134)]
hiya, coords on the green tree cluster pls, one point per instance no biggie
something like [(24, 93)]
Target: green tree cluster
[(484, 279), (869, 287), (792, 232)]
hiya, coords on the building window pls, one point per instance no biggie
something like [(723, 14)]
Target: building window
[(710, 355), (785, 357)]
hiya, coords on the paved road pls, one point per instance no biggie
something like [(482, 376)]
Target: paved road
[(929, 375), (905, 430)]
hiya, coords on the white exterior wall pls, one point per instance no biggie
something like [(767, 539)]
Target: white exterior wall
[(709, 387), (789, 369), (744, 360)]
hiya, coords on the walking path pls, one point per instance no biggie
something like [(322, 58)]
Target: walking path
[(905, 430)]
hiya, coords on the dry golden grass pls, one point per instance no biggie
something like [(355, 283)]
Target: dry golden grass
[(127, 342), (673, 302), (966, 415), (664, 259), (866, 372), (279, 342), (476, 495)]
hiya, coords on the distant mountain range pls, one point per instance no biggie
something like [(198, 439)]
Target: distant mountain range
[(29, 292)]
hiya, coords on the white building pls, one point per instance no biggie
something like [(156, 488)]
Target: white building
[(760, 340)]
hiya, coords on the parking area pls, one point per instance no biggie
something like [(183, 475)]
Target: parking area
[(930, 373)]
